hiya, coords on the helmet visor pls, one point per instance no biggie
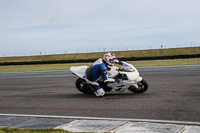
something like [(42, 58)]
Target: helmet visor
[(111, 61)]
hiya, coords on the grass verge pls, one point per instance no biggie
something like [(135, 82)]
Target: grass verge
[(10, 130), (18, 68), (119, 54)]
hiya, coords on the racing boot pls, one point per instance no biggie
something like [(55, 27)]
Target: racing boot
[(99, 92)]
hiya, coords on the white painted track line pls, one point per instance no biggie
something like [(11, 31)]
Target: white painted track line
[(118, 125), (102, 118)]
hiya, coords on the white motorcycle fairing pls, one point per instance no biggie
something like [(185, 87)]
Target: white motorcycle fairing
[(128, 74), (132, 76), (79, 70)]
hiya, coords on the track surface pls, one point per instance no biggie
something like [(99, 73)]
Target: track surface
[(174, 94)]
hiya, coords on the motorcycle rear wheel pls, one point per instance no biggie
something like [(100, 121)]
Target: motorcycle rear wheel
[(83, 86), (142, 87)]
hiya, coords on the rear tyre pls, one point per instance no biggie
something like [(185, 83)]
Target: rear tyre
[(83, 86), (142, 87)]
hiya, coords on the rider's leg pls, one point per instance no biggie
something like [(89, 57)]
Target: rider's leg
[(98, 91)]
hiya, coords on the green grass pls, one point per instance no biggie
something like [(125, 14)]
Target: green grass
[(191, 61), (18, 68), (119, 54), (10, 130)]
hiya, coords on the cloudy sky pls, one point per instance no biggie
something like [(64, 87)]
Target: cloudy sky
[(28, 27)]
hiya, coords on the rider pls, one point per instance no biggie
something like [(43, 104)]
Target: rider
[(98, 70)]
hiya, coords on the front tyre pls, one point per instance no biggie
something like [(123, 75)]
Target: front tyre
[(83, 86), (142, 87)]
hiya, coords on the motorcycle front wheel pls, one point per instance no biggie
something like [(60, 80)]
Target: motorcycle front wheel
[(83, 86), (142, 87)]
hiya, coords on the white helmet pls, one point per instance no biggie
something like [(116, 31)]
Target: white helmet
[(109, 58)]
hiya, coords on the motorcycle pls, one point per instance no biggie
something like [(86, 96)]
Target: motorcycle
[(128, 74)]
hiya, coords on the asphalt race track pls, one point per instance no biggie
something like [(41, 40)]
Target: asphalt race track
[(174, 94)]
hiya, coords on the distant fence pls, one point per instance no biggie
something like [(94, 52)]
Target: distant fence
[(92, 60)]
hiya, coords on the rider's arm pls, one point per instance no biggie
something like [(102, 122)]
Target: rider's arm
[(118, 61), (105, 77), (109, 80)]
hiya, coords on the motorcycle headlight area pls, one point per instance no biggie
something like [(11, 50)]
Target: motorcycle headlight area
[(129, 69)]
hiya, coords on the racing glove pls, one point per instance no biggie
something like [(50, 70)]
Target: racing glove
[(118, 80)]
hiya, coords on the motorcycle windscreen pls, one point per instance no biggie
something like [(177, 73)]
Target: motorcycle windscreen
[(128, 67)]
